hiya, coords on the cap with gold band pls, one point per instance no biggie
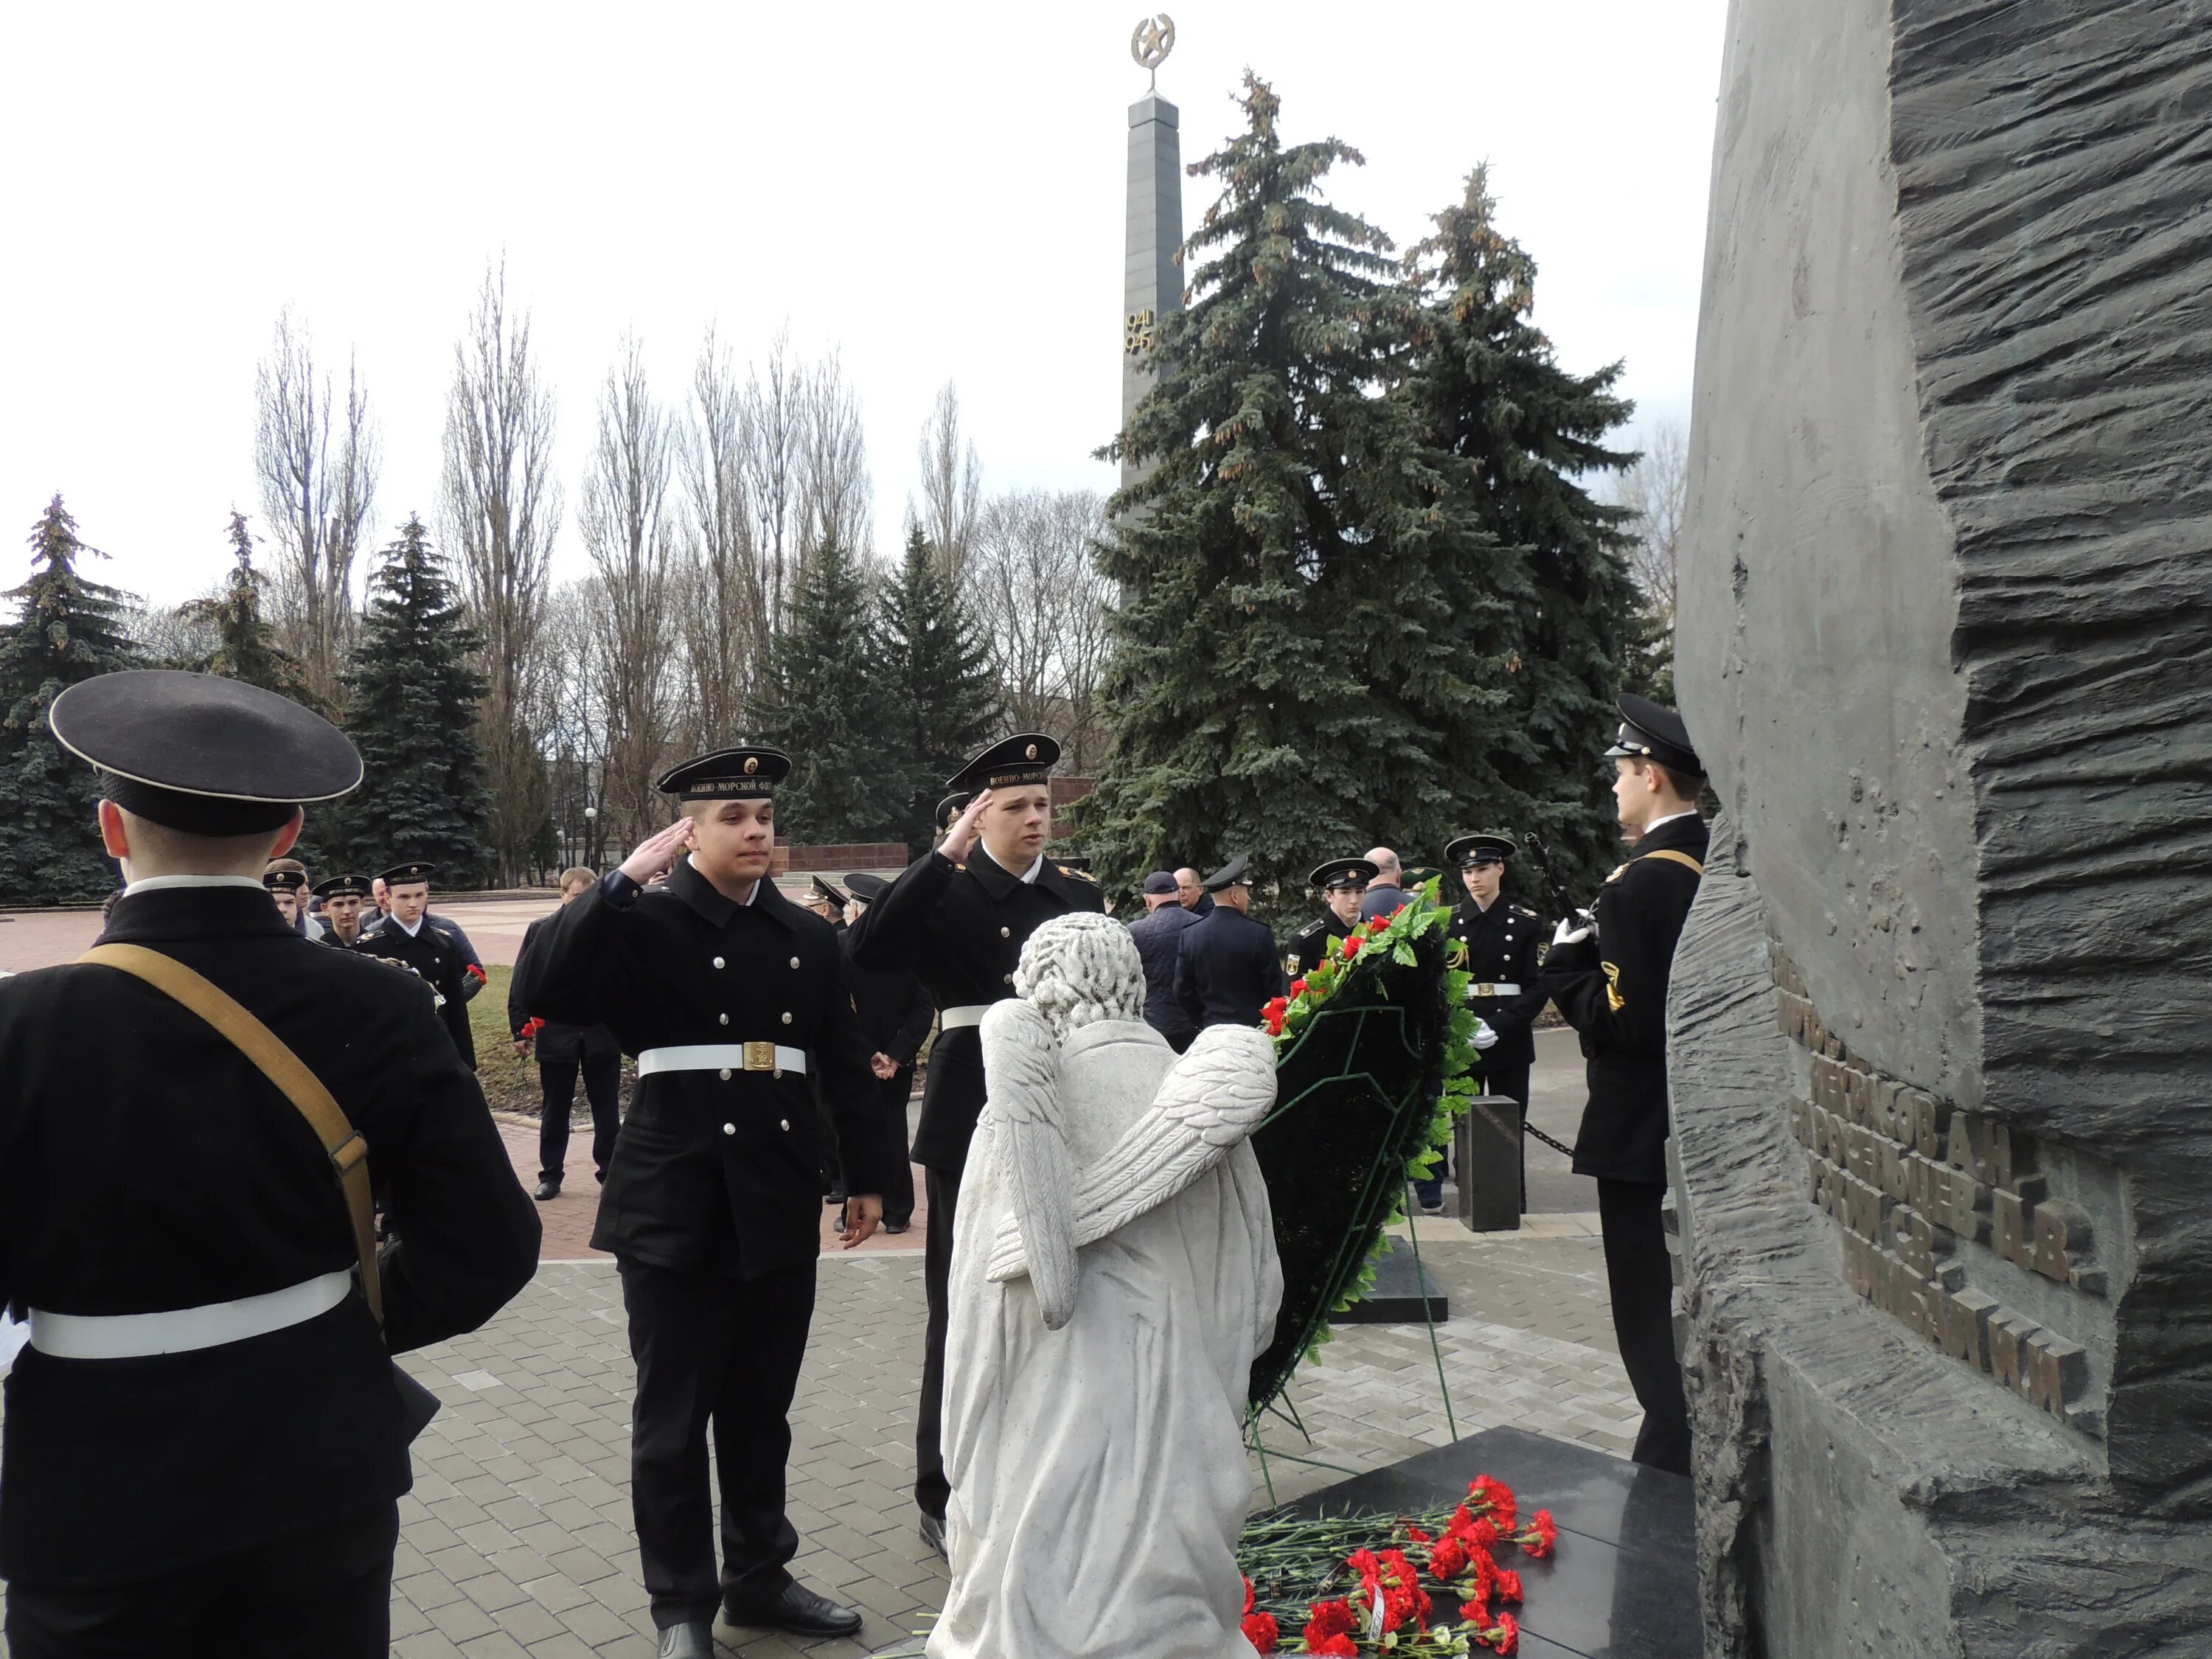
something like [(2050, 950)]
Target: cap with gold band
[(1023, 759), (284, 881), (1487, 847), (200, 753), (1343, 873), (744, 773), (952, 807)]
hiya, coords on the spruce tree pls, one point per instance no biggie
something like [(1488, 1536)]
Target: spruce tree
[(70, 629), (827, 708), (1290, 679), (245, 645), (937, 673), (1518, 435), (412, 698)]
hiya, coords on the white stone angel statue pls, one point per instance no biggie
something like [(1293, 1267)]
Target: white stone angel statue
[(1113, 1276)]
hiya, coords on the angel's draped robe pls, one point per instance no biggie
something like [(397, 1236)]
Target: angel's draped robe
[(1099, 1480)]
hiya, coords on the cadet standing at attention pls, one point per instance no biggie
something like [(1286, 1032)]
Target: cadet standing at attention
[(957, 917), (342, 897), (411, 938), (731, 996), (1609, 979), (1342, 884), (206, 1439)]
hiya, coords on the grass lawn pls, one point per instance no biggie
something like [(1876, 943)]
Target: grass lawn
[(510, 1082)]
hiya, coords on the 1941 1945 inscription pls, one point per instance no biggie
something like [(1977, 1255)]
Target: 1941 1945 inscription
[(1937, 1208)]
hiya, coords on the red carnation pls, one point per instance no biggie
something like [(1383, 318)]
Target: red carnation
[(531, 1028), (1447, 1558), (475, 973), (1416, 1536), (1272, 1014), (1509, 1585), (1331, 1647), (1476, 1613), (1327, 1618), (1546, 1535), (1247, 1595), (1297, 987), (1261, 1632), (1499, 1497), (1507, 1637)]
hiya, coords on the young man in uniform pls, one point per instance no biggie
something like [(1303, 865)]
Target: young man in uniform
[(826, 901), (286, 887), (733, 999), (895, 1012), (1343, 885), (1157, 934), (411, 938), (1499, 946), (1228, 967), (957, 917), (563, 1052), (205, 1442), (1609, 979), (342, 897)]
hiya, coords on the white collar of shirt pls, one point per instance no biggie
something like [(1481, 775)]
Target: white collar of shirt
[(410, 932), (157, 884), (1029, 876), (1669, 818)]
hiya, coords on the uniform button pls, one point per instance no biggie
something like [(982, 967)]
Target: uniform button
[(725, 1075), (729, 1128), (726, 1020), (1009, 979), (718, 962), (1005, 933), (785, 1125), (786, 1019), (794, 961)]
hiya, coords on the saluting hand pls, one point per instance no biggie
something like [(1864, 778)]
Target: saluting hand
[(960, 839), (656, 852)]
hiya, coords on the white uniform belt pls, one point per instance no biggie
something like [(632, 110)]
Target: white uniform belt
[(1484, 988), (971, 1013), (181, 1330), (723, 1057)]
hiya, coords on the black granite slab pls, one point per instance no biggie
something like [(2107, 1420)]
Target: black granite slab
[(1395, 1298), (1623, 1583)]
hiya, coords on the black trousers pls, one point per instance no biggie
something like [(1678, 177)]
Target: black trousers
[(320, 1594), (931, 1488), (602, 1087), (898, 1187), (725, 1353), (1641, 1283)]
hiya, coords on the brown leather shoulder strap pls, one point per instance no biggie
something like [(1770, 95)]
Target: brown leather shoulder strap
[(1674, 857), (349, 1152)]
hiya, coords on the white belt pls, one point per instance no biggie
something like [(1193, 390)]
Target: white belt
[(1488, 988), (953, 1020), (723, 1057), (181, 1330)]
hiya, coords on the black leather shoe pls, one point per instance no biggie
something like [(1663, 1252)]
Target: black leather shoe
[(687, 1641), (548, 1188), (933, 1533), (798, 1610)]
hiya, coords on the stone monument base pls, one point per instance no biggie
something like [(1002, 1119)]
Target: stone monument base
[(1401, 1286)]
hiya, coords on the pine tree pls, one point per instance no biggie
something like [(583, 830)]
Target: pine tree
[(936, 667), (70, 629), (827, 708), (1518, 433), (1290, 679), (412, 698), (246, 647)]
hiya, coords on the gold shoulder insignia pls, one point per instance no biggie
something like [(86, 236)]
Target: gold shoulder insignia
[(1613, 1000), (1619, 871), (1080, 875), (960, 866)]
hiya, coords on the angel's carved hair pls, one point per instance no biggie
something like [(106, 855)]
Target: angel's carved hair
[(1080, 968)]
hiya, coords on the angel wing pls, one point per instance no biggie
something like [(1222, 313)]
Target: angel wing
[(1021, 1071), (1215, 1097)]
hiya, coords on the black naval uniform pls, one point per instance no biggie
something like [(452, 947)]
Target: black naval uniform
[(431, 951), (960, 928), (1227, 969), (145, 1164), (712, 1206), (1611, 988), (895, 1012), (1499, 947), (1313, 942), (563, 1052)]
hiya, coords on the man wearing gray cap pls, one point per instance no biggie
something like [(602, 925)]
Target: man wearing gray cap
[(1165, 922)]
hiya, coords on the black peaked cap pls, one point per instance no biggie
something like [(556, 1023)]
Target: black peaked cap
[(828, 892), (1229, 875), (404, 875), (1655, 733), (1341, 872), (865, 887), (1486, 846), (332, 887)]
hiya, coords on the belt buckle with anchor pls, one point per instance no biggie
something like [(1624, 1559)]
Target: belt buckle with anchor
[(761, 1057)]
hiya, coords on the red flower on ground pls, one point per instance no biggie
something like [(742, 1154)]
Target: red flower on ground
[(1509, 1585), (1509, 1633), (1447, 1558), (1327, 1618), (1331, 1647), (1247, 1595), (1476, 1613), (1417, 1535), (1546, 1536), (1503, 1508), (1261, 1632)]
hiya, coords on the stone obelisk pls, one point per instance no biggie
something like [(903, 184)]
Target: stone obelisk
[(1152, 282)]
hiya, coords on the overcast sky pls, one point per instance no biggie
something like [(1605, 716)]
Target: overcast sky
[(936, 191)]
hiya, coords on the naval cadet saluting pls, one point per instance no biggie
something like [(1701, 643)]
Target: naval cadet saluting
[(1610, 982), (411, 937), (732, 997), (1342, 884), (957, 917), (1227, 967), (205, 1441)]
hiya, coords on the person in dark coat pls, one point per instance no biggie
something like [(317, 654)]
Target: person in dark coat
[(1190, 891), (732, 999), (1228, 967), (204, 1446), (342, 899), (1157, 934), (1342, 884), (957, 917), (895, 1012), (1499, 945), (411, 939), (1608, 976), (563, 1053)]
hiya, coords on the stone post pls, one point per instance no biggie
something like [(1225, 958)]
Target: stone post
[(1152, 282)]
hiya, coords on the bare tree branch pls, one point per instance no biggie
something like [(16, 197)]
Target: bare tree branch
[(951, 485), (1657, 491)]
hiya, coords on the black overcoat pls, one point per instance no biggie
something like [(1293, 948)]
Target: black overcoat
[(1314, 941), (1156, 936), (1227, 969), (1501, 945), (557, 1039), (960, 928), (431, 951), (145, 1165), (717, 1170), (1612, 988)]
